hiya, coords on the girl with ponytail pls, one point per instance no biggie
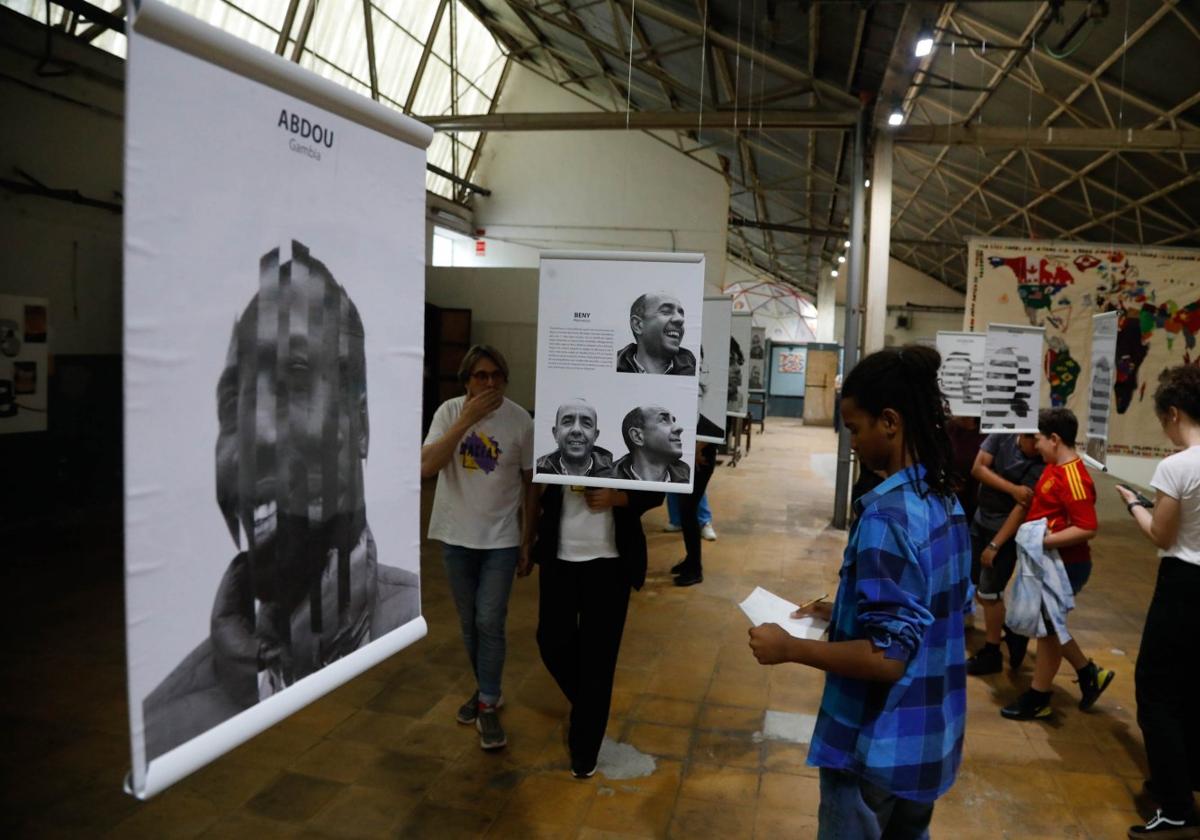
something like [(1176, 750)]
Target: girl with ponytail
[(889, 736)]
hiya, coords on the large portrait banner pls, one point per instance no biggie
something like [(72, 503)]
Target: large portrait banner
[(618, 364), (741, 363), (1012, 379), (1100, 388), (961, 373), (273, 299), (716, 369)]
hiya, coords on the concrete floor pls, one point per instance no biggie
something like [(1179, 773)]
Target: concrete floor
[(383, 756)]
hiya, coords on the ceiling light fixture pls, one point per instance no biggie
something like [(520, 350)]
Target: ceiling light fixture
[(896, 117), (847, 243), (841, 258), (833, 273), (867, 183), (924, 41)]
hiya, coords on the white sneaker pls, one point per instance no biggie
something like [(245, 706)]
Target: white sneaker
[(708, 533), (671, 528)]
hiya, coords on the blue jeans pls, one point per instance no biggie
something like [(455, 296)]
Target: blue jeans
[(480, 580), (704, 514), (854, 809)]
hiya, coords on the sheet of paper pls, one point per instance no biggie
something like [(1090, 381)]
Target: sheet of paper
[(763, 607)]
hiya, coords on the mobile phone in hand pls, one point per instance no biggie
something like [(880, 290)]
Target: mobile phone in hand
[(1142, 500)]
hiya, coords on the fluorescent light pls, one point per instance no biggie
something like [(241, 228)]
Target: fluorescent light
[(841, 258), (896, 117), (924, 44)]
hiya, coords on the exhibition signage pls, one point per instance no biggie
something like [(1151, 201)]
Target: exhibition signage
[(741, 365), (1100, 389), (961, 373), (1012, 379), (716, 368), (618, 366), (24, 357), (273, 311)]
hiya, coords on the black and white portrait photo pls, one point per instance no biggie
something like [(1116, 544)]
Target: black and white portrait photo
[(657, 321), (737, 361), (305, 586), (576, 427), (654, 443)]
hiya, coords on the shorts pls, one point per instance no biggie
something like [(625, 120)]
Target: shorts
[(1078, 574), (990, 581)]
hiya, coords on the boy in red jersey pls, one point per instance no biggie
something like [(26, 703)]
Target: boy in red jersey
[(1066, 498)]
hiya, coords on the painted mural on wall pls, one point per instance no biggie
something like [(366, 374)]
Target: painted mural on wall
[(1061, 285)]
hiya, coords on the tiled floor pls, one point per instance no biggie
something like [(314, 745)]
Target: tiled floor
[(383, 756)]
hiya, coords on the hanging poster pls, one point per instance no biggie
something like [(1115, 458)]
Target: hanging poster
[(758, 359), (24, 359), (961, 372), (788, 369), (716, 369), (741, 364), (1060, 286), (1012, 379), (1100, 388), (273, 298), (618, 367)]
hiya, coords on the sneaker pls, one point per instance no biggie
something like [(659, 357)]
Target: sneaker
[(672, 528), (708, 532), (688, 577), (986, 661), (491, 733), (1029, 706), (468, 711), (580, 774), (1092, 682), (1017, 645), (1167, 829)]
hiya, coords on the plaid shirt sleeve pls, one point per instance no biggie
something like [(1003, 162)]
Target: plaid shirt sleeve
[(891, 588)]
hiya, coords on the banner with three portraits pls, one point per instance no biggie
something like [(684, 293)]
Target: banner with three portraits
[(618, 364)]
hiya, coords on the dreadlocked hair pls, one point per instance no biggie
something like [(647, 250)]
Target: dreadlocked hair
[(906, 381)]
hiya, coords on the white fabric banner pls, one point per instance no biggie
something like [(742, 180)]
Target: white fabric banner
[(1012, 380), (24, 358), (740, 362), (758, 359), (961, 373), (715, 369), (619, 346), (1100, 389), (274, 289)]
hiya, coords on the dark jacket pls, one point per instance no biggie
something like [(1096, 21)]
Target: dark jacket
[(684, 363), (631, 539), (677, 471), (602, 461)]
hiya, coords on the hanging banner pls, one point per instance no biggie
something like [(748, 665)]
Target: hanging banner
[(716, 368), (273, 300), (758, 359), (24, 360), (1061, 286), (961, 373), (1012, 379), (618, 368), (741, 365), (1100, 389)]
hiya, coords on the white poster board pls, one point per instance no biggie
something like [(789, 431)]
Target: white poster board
[(1012, 380), (741, 364), (1100, 388), (24, 363), (961, 373), (619, 342), (758, 359), (715, 369), (273, 300)]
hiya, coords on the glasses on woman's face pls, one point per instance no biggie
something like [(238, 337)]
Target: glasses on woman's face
[(482, 377)]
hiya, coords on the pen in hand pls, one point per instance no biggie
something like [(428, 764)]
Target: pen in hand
[(808, 604)]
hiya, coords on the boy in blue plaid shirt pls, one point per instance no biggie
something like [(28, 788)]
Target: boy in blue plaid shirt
[(889, 734)]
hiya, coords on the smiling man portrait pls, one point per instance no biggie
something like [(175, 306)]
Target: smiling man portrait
[(657, 323)]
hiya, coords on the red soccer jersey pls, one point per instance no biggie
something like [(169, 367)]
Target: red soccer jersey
[(1066, 496)]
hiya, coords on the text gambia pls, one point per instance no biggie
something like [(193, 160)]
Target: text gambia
[(305, 130)]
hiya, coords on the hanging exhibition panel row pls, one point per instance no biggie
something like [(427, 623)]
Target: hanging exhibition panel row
[(741, 365), (274, 289), (618, 369), (716, 367), (1155, 293)]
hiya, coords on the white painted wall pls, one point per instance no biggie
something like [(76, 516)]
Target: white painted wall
[(503, 304), (907, 285), (596, 190)]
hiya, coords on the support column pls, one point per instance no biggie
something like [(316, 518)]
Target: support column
[(854, 276), (880, 233), (826, 307)]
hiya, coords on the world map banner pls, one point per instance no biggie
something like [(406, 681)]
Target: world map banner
[(1060, 286)]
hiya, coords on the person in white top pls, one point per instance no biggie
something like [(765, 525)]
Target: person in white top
[(480, 446), (1167, 684)]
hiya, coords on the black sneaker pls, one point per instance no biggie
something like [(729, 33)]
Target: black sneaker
[(986, 661), (1029, 706), (1017, 645), (468, 711), (1092, 682), (679, 567), (491, 733), (1165, 828), (689, 577)]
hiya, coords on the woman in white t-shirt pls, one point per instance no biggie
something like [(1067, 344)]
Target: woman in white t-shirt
[(480, 446), (1167, 682)]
